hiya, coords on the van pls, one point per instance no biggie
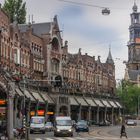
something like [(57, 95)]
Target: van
[(63, 126), (37, 124)]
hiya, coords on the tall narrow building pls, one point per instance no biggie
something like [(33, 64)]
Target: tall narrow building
[(132, 73)]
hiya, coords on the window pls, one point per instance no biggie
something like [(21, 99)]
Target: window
[(55, 44), (55, 65)]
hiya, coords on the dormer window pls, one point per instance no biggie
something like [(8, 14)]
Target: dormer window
[(16, 37)]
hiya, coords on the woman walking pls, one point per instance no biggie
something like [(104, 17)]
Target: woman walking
[(123, 132)]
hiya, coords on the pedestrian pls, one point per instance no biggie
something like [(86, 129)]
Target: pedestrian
[(123, 132)]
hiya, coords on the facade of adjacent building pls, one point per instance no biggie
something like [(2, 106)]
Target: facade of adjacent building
[(51, 81)]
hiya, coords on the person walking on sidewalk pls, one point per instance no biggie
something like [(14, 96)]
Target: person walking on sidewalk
[(123, 131)]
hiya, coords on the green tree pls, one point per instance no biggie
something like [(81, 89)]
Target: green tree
[(16, 9), (129, 95)]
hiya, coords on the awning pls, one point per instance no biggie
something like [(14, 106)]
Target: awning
[(19, 92), (98, 102), (81, 101), (28, 94), (106, 103), (47, 98), (118, 104), (113, 104), (90, 102), (37, 96), (73, 101)]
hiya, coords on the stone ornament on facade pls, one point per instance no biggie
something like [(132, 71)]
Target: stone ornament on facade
[(11, 89)]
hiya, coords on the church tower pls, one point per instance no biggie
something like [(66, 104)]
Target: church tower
[(110, 64), (134, 40), (132, 72)]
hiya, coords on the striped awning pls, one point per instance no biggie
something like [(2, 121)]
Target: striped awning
[(28, 94), (118, 104), (19, 92), (113, 104), (81, 101), (105, 102), (91, 102), (73, 101), (46, 97), (99, 103), (37, 96)]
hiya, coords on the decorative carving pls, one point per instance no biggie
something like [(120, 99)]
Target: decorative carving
[(11, 89)]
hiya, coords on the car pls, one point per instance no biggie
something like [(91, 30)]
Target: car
[(82, 126), (84, 121), (49, 126), (37, 124), (104, 123), (63, 126), (131, 122), (93, 122)]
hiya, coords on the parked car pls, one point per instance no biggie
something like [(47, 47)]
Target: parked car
[(84, 121), (104, 123), (49, 126), (131, 122), (93, 122), (82, 126)]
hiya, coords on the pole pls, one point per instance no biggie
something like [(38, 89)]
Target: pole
[(97, 115), (10, 93), (138, 106), (24, 117), (79, 115), (0, 45), (28, 119)]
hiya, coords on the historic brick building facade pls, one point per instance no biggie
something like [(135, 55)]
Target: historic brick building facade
[(84, 74), (35, 57)]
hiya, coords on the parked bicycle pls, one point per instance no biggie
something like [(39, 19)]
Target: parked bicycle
[(19, 133), (3, 132)]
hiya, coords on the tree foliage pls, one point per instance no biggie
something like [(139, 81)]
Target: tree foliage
[(16, 9), (130, 96)]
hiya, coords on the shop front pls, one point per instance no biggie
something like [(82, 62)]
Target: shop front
[(3, 109)]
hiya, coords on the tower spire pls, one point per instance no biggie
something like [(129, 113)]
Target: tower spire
[(135, 8), (109, 58)]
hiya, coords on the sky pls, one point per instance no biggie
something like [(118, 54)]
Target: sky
[(85, 27)]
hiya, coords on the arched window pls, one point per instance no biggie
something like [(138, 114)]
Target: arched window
[(55, 65), (55, 44)]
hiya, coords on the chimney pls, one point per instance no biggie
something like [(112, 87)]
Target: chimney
[(94, 58), (99, 57)]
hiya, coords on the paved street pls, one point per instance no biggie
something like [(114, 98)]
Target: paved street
[(96, 133)]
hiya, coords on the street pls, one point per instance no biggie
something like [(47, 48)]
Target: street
[(96, 133)]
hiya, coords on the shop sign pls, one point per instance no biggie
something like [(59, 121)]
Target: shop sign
[(40, 112), (50, 113), (2, 102), (2, 109), (32, 113)]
